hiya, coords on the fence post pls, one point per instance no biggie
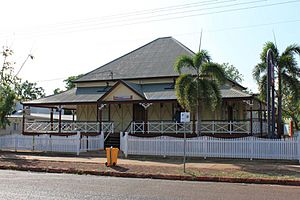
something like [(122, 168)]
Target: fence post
[(204, 146), (125, 144), (33, 143), (251, 147), (102, 139), (78, 143), (16, 142), (165, 146), (298, 145)]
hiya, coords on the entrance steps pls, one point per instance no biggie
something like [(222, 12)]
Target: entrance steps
[(113, 140)]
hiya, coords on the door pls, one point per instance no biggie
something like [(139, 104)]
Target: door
[(230, 118), (121, 115), (138, 113)]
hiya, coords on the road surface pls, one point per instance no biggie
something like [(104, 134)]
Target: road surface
[(32, 185)]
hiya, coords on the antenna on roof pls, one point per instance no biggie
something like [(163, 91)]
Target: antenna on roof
[(274, 37), (200, 39)]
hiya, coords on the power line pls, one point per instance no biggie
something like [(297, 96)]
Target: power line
[(148, 19), (190, 33)]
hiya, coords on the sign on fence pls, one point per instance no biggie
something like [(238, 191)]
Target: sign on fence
[(185, 117)]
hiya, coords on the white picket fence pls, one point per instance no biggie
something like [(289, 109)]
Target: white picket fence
[(72, 144), (204, 146)]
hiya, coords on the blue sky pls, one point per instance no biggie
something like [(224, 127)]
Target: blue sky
[(72, 37)]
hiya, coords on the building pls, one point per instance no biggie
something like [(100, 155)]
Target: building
[(135, 93)]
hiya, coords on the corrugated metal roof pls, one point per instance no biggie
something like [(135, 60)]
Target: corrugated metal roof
[(155, 59), (163, 91), (79, 95), (234, 93)]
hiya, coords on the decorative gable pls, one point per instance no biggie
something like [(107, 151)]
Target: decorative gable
[(122, 92)]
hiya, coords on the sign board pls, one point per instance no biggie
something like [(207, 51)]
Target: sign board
[(122, 98), (185, 117)]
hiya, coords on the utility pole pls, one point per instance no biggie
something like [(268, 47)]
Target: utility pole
[(270, 94)]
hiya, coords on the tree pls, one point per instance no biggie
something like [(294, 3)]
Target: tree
[(12, 88), (8, 84), (291, 108), (29, 91), (287, 74), (69, 81), (7, 97), (57, 91), (232, 72), (202, 85)]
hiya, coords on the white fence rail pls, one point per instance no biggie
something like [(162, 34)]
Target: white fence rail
[(203, 146), (68, 127), (213, 127), (72, 144)]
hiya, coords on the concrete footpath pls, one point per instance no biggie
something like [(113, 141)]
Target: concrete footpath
[(222, 170)]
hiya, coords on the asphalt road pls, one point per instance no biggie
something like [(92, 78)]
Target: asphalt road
[(31, 185)]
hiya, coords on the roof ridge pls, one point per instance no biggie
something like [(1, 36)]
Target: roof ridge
[(182, 45)]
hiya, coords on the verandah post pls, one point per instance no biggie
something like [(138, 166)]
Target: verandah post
[(121, 141)]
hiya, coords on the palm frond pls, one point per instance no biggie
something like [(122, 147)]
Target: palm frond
[(183, 61), (266, 47), (262, 86), (181, 83), (259, 70), (291, 83), (216, 95), (291, 50), (215, 71), (200, 58), (190, 99), (289, 64)]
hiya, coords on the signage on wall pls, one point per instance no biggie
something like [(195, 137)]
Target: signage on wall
[(122, 98), (185, 117)]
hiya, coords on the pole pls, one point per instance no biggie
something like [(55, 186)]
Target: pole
[(270, 94), (184, 146)]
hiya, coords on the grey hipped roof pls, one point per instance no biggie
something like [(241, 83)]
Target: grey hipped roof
[(155, 59)]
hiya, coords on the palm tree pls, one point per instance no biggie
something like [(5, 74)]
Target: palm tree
[(287, 72), (202, 84)]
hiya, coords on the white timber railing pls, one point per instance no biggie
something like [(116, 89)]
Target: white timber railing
[(205, 146), (212, 127), (47, 143), (68, 127), (160, 127)]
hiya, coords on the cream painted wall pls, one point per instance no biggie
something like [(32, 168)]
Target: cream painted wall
[(86, 112), (160, 111)]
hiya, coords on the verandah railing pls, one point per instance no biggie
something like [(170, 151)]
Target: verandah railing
[(68, 127), (212, 127)]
